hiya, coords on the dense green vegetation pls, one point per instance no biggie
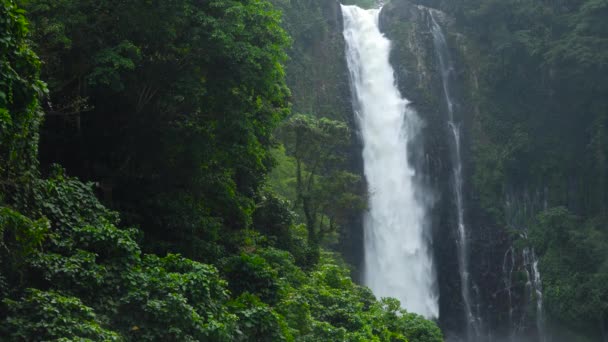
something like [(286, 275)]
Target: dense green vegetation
[(326, 192), (165, 111), (169, 106), (183, 192), (574, 264)]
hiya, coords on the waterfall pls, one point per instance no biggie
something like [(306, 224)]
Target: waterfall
[(397, 258), (538, 289), (534, 288), (441, 50), (520, 207)]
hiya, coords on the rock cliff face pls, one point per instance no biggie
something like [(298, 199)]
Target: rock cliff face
[(419, 74), (419, 79), (532, 145), (316, 70)]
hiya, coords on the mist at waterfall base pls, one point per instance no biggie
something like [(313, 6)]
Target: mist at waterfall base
[(398, 260)]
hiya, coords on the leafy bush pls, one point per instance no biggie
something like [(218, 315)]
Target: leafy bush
[(174, 299), (20, 89), (44, 316), (329, 306), (257, 321), (251, 273), (20, 241)]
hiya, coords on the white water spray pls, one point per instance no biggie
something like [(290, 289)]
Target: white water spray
[(397, 259)]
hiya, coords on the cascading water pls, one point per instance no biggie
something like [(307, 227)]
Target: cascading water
[(520, 207), (397, 259), (441, 49), (534, 288), (507, 270), (538, 289)]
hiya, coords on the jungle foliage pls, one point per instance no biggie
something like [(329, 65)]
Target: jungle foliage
[(326, 192), (165, 113)]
